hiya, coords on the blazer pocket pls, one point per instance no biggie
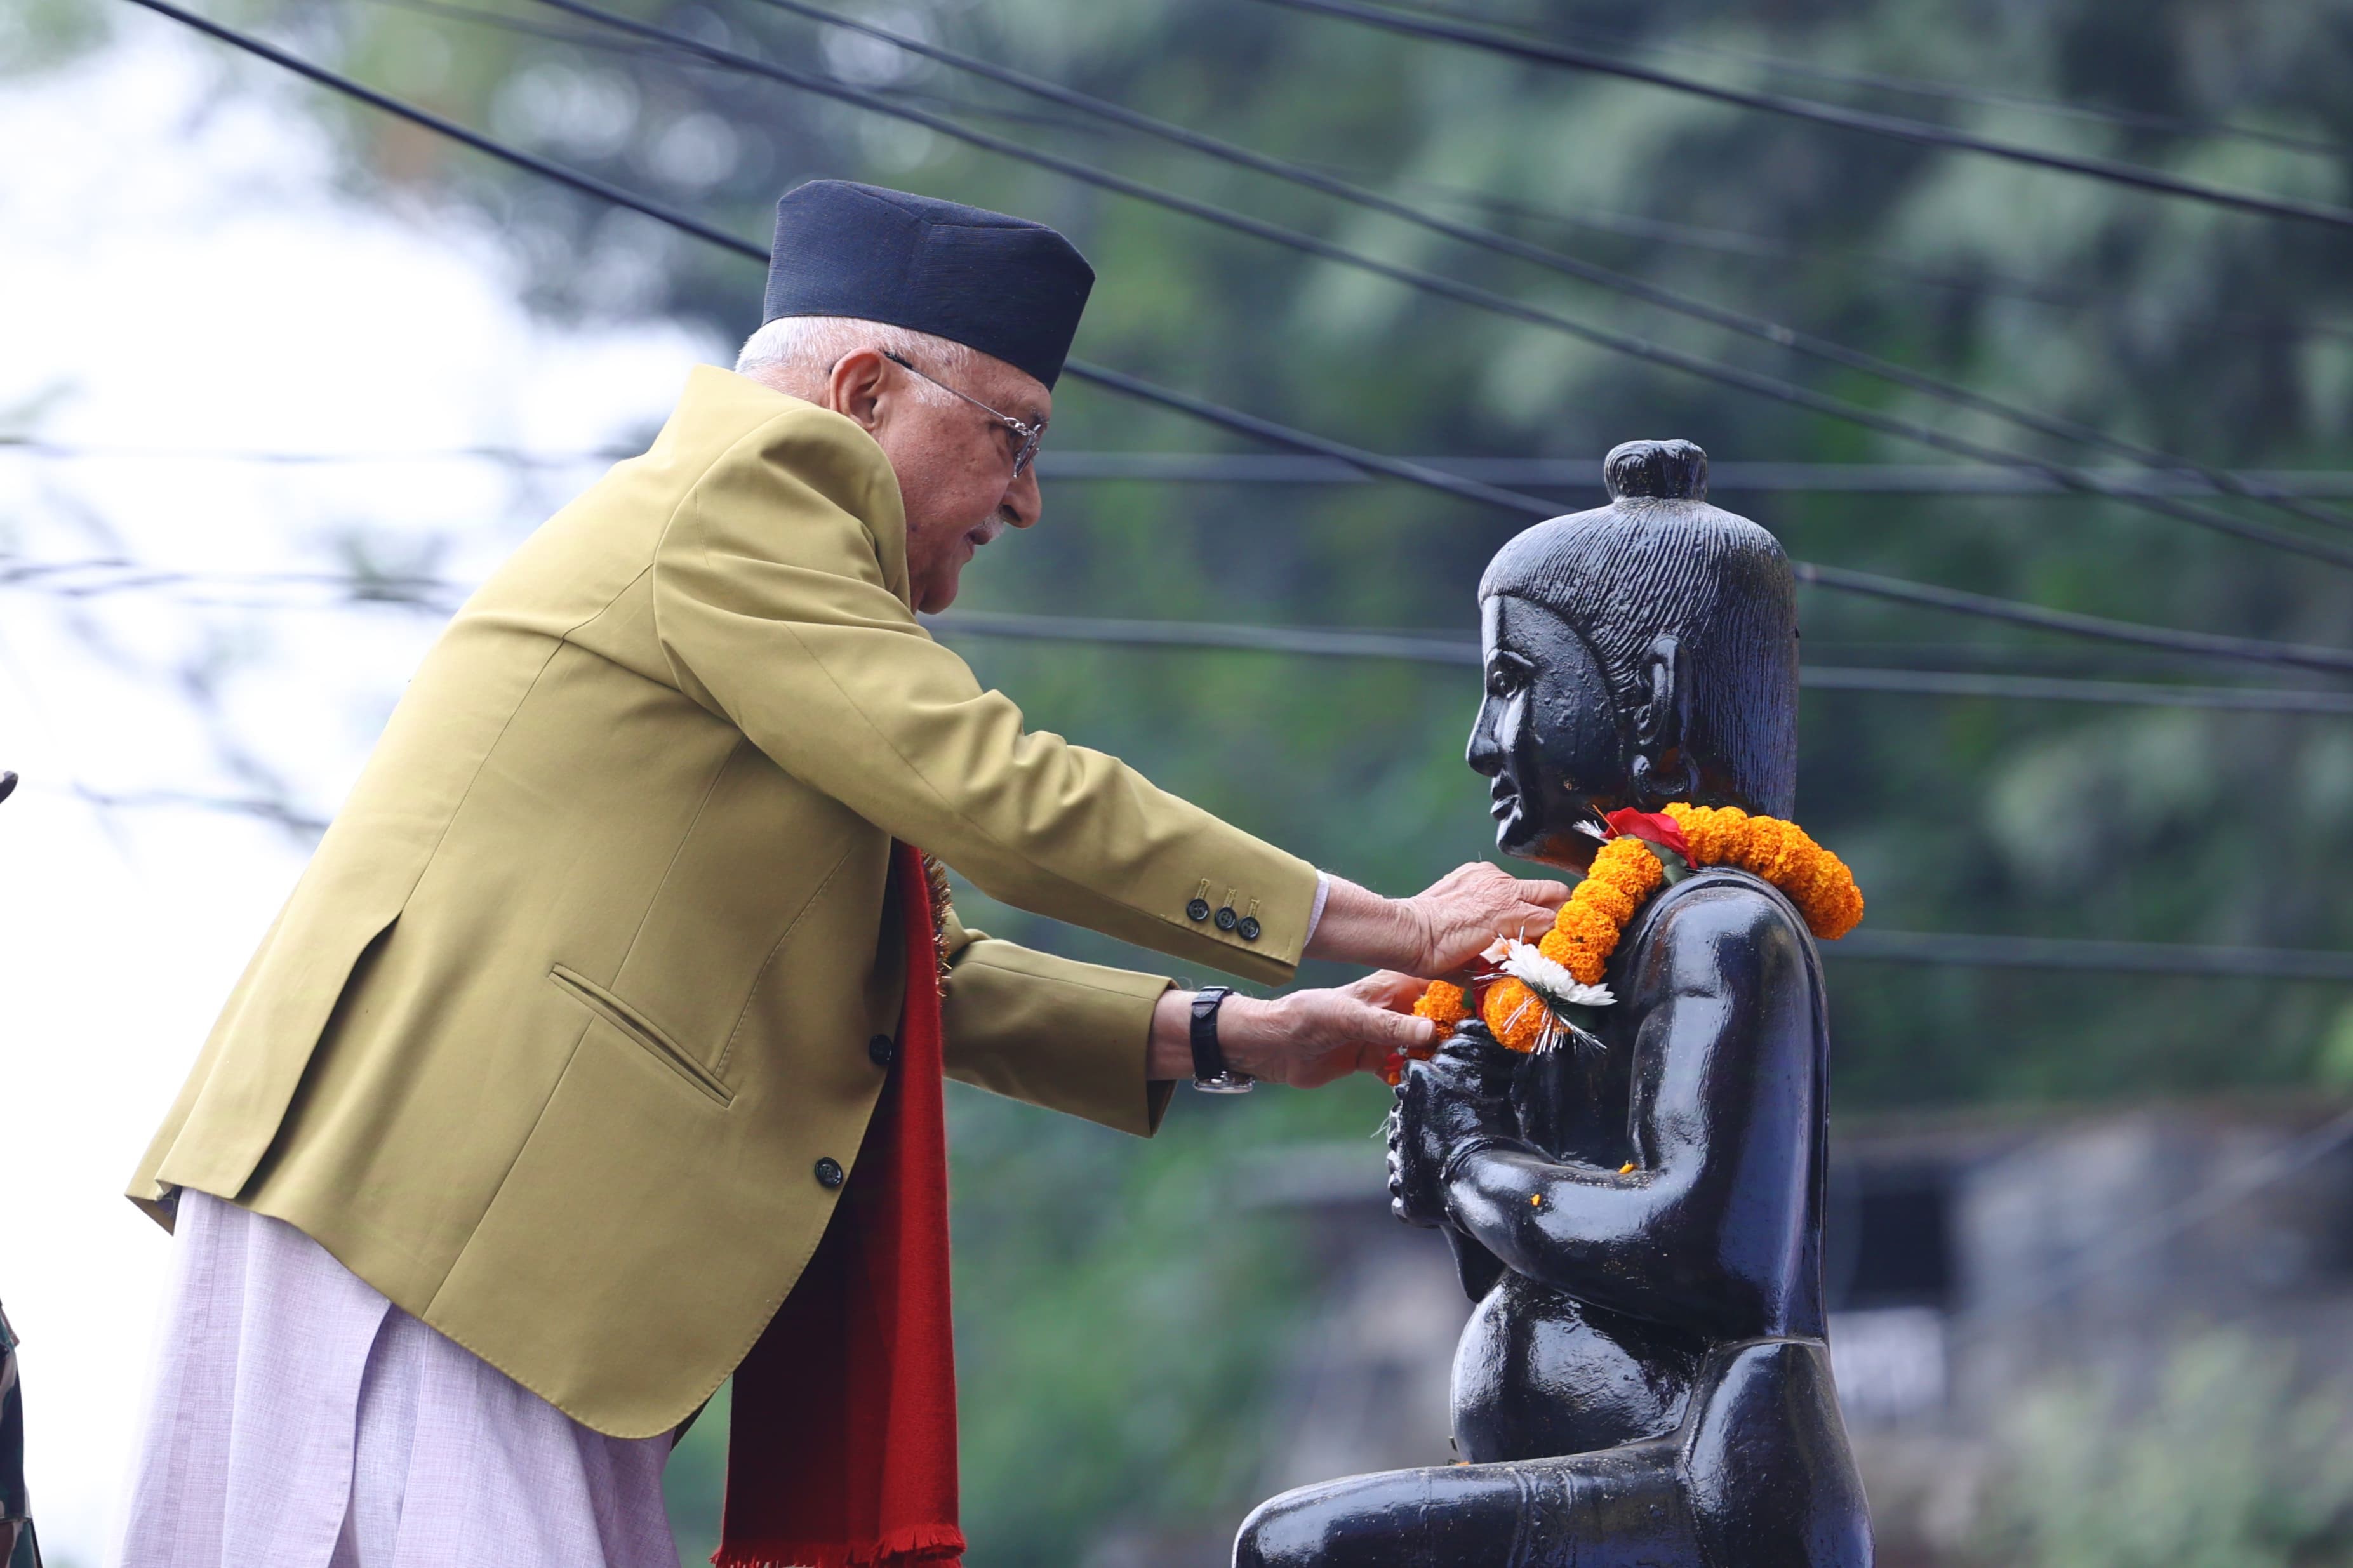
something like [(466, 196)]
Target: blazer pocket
[(641, 1029)]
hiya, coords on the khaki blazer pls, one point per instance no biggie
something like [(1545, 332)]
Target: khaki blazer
[(596, 966)]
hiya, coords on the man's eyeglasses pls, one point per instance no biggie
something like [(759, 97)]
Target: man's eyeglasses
[(1026, 437)]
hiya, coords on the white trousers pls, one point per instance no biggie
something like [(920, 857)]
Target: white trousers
[(300, 1420)]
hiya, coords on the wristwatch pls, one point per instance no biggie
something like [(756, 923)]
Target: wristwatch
[(1210, 1074)]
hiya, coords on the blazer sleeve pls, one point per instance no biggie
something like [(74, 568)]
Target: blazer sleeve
[(1050, 1031), (778, 586)]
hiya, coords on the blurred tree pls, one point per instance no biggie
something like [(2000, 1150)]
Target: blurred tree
[(2231, 1462)]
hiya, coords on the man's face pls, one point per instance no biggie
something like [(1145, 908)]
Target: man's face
[(955, 465)]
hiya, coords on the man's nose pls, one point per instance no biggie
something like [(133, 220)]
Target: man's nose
[(1023, 500)]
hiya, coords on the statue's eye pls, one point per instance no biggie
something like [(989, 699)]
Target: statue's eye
[(1505, 676)]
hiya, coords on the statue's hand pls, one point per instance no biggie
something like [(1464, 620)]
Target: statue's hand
[(1460, 1096)]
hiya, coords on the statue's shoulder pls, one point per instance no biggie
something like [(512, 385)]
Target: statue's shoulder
[(1718, 917)]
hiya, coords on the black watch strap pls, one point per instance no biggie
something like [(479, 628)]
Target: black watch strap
[(1211, 1073)]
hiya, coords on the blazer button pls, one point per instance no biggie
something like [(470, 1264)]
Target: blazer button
[(1227, 918), (880, 1048), (1248, 930), (828, 1172), (1198, 910)]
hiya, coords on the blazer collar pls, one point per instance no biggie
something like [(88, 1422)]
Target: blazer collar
[(714, 392)]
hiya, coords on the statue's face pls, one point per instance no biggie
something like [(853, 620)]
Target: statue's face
[(1547, 734)]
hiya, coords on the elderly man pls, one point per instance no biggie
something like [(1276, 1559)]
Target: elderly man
[(614, 989)]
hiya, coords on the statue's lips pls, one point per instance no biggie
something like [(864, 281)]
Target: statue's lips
[(1503, 801)]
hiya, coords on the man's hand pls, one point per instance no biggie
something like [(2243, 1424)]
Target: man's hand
[(1439, 932), (1461, 1095), (1306, 1040)]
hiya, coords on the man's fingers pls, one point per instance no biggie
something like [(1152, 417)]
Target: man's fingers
[(1389, 989), (1397, 1031), (1542, 891)]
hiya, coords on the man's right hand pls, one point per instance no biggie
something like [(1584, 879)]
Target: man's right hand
[(1436, 932)]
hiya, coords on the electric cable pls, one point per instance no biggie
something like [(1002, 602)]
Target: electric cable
[(1487, 300), (1079, 466), (1425, 649), (1868, 264), (1793, 339), (2205, 644), (1721, 241), (603, 42), (1950, 92), (103, 576), (1975, 951), (2202, 645), (1886, 126), (2188, 961)]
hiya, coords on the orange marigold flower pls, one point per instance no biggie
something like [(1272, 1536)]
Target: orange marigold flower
[(1558, 946), (1587, 938), (1611, 903), (1443, 1005), (1512, 1015), (1628, 865), (1772, 850), (1717, 833)]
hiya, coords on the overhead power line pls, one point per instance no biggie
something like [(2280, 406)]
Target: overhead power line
[(1887, 268), (1875, 265), (1950, 92), (1418, 647), (1797, 341), (2247, 649), (2185, 960), (1753, 383), (104, 576), (1067, 466), (1887, 126), (2076, 953), (2071, 623)]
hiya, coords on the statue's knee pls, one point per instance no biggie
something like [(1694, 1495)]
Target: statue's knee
[(1293, 1530)]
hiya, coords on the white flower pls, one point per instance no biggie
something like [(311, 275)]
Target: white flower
[(1551, 981)]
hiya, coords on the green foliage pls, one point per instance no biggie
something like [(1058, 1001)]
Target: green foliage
[(2233, 1463)]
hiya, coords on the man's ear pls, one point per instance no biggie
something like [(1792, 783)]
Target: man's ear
[(854, 387), (1665, 703)]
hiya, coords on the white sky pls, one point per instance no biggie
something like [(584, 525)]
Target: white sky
[(181, 272)]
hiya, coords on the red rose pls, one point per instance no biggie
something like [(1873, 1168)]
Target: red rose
[(1650, 826)]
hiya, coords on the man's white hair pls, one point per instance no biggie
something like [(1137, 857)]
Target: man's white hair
[(803, 351)]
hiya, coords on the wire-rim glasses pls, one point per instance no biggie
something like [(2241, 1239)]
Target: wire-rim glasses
[(1026, 436)]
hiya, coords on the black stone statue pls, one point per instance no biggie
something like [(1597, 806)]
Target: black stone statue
[(1644, 1380)]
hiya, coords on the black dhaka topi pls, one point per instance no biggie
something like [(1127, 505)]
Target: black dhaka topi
[(1009, 288)]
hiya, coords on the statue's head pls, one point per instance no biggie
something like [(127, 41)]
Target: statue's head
[(1643, 652)]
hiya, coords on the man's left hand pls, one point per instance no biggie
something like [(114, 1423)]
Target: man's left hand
[(1306, 1040)]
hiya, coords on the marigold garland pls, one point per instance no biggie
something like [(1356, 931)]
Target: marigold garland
[(1625, 873), (1809, 876)]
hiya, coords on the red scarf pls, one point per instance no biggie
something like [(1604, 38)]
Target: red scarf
[(841, 1450)]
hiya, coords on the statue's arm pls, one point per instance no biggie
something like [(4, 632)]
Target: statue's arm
[(1702, 1230), (1474, 1266)]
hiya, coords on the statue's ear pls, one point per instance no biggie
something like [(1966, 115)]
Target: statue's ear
[(1660, 712)]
